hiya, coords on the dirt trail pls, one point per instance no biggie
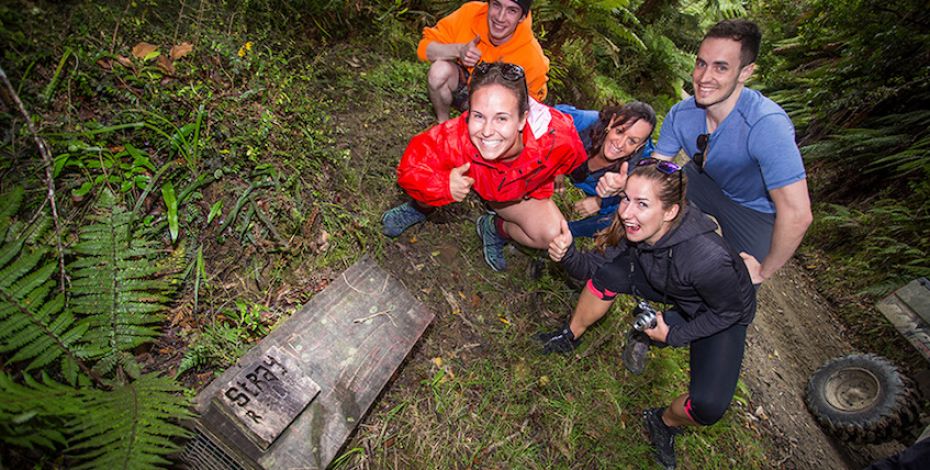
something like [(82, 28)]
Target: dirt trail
[(794, 332)]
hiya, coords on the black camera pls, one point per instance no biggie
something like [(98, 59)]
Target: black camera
[(645, 316)]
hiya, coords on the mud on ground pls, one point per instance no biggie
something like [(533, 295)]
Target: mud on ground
[(793, 334)]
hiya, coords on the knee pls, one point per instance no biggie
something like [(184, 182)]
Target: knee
[(542, 234), (706, 409), (440, 73)]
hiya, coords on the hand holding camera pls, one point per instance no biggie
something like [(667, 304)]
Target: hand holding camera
[(645, 316)]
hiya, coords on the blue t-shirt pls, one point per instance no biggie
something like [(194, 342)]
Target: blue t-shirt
[(751, 152)]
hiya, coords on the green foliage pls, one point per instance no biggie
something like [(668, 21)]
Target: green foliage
[(226, 339), (896, 145), (34, 325), (117, 286), (852, 79), (878, 249), (34, 413), (116, 289), (129, 426)]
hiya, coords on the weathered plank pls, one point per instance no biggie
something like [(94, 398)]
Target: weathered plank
[(348, 340), (908, 309)]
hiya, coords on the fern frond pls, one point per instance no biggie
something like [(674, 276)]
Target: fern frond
[(33, 323), (32, 414), (131, 426), (117, 284)]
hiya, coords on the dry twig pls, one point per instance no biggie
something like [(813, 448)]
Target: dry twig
[(47, 161)]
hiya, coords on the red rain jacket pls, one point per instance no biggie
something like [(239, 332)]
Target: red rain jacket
[(554, 149)]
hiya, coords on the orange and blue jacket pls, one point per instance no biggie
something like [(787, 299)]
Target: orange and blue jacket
[(551, 147), (471, 20)]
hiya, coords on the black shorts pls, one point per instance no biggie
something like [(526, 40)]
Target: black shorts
[(460, 94), (715, 360)]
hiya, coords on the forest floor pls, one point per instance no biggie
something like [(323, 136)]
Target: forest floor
[(794, 333), (317, 137)]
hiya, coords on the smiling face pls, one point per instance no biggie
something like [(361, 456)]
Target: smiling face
[(495, 121), (625, 139), (644, 217), (717, 72), (503, 18)]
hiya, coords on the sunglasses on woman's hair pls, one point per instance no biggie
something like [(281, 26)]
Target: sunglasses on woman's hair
[(510, 72), (698, 158), (663, 166)]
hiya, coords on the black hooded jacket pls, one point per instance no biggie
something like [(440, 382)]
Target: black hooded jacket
[(708, 283)]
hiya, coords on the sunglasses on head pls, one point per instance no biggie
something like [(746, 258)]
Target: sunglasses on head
[(698, 157), (663, 166), (510, 72)]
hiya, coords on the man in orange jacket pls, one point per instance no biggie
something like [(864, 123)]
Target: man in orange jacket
[(499, 30)]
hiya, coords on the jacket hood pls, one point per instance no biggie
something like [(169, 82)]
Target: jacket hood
[(692, 224)]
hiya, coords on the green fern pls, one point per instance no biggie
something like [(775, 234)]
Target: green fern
[(130, 427), (34, 326), (118, 286), (33, 414)]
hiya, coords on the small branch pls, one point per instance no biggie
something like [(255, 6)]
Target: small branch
[(386, 313), (47, 160)]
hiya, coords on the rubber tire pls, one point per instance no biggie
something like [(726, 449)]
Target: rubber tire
[(884, 417)]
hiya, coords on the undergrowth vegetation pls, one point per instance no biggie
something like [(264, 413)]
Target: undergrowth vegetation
[(863, 124), (216, 164)]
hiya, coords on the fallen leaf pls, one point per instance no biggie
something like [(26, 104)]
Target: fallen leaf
[(321, 243), (437, 361), (181, 50), (124, 61), (143, 49), (165, 65), (105, 64)]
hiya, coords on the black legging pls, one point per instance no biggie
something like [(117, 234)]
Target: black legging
[(715, 360)]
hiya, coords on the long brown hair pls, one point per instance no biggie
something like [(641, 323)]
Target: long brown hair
[(668, 193), (622, 116)]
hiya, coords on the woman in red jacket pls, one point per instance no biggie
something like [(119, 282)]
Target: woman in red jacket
[(506, 148)]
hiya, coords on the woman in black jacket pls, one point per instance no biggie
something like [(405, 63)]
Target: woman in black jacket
[(660, 249)]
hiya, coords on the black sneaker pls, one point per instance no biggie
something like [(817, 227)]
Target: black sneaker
[(635, 351), (561, 341), (662, 437)]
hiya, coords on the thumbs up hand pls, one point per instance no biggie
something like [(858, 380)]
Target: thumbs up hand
[(470, 54), (612, 183), (559, 245), (459, 184)]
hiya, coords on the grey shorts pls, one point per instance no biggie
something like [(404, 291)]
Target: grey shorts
[(743, 228)]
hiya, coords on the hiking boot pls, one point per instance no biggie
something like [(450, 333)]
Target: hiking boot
[(561, 341), (662, 437), (395, 221), (635, 351), (493, 243)]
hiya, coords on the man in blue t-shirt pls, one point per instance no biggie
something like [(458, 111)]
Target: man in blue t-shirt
[(745, 169)]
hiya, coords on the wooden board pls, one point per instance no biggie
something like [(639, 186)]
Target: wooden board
[(908, 309), (349, 340), (267, 396)]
